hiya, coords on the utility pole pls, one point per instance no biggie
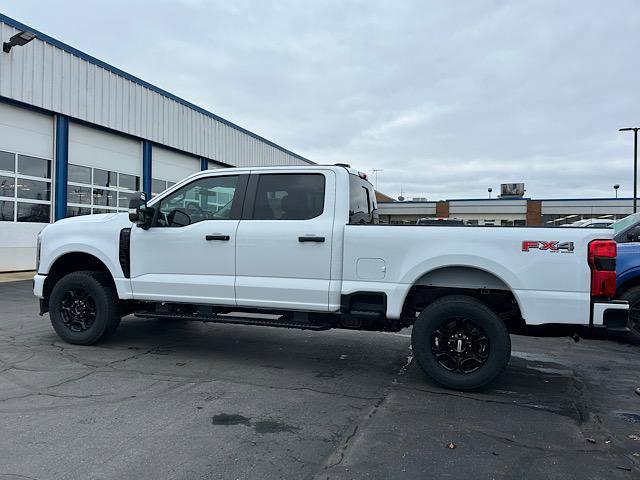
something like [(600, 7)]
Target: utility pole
[(635, 165), (375, 172)]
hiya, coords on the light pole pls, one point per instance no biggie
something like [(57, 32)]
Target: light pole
[(635, 164), (616, 187), (375, 172), (489, 190)]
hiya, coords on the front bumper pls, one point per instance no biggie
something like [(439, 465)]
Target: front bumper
[(38, 291), (38, 285), (613, 316)]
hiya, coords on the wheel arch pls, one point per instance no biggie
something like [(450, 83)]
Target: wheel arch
[(481, 283), (74, 261), (628, 281), (462, 276)]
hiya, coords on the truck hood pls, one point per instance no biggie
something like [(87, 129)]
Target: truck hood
[(99, 218), (88, 226)]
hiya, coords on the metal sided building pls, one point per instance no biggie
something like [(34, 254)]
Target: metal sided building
[(77, 136)]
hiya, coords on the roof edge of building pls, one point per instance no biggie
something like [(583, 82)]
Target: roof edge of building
[(91, 59)]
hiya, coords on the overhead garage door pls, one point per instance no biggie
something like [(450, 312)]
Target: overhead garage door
[(104, 170), (26, 166), (169, 167)]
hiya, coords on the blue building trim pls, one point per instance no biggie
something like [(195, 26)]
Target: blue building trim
[(204, 164), (61, 166), (74, 51), (147, 154)]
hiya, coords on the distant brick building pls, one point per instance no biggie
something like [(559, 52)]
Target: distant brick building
[(506, 211)]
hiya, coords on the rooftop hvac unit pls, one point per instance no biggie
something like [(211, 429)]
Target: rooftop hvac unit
[(512, 190)]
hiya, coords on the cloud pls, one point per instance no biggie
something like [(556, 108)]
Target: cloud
[(447, 98)]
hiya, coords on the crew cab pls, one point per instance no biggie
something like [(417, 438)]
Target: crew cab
[(301, 247)]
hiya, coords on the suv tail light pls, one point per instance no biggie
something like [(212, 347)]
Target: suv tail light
[(602, 261)]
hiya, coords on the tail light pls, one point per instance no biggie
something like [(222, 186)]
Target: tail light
[(602, 261)]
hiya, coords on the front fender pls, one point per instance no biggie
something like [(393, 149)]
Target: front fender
[(55, 254), (95, 235), (629, 275)]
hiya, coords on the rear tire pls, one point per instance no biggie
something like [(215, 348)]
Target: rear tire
[(84, 307), (460, 343), (632, 295)]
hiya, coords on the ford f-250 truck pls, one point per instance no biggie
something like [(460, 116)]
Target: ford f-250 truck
[(302, 247)]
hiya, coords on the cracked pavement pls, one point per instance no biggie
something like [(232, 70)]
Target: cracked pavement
[(184, 400)]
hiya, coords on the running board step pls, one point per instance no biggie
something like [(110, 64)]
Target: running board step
[(281, 322)]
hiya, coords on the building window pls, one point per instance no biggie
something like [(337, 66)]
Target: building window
[(25, 188), (34, 167), (158, 186), (7, 162), (6, 211), (94, 190), (79, 174)]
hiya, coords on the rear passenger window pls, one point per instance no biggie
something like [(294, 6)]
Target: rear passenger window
[(360, 202), (289, 196)]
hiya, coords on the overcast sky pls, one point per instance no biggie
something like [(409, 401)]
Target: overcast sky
[(448, 98)]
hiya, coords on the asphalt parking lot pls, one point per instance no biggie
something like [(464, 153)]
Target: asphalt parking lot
[(181, 400)]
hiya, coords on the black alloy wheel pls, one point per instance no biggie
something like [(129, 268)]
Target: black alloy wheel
[(78, 310), (84, 307), (632, 295), (460, 342), (460, 345)]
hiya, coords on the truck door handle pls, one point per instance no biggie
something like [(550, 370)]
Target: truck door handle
[(224, 238), (311, 238)]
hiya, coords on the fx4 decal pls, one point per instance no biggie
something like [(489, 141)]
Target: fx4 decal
[(551, 246)]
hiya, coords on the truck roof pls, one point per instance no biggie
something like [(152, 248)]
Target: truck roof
[(335, 167)]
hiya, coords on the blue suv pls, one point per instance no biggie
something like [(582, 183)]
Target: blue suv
[(627, 235)]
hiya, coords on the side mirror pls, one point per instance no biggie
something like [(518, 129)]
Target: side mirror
[(138, 211), (633, 235), (178, 218)]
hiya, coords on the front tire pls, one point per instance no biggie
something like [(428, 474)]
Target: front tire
[(460, 343), (84, 307), (632, 295)]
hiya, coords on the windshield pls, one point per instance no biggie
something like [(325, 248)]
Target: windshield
[(625, 222)]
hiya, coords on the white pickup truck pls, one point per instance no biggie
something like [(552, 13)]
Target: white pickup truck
[(302, 247)]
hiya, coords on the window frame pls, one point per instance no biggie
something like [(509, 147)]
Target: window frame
[(236, 205), (369, 217), (167, 185), (116, 189), (252, 191), (15, 199)]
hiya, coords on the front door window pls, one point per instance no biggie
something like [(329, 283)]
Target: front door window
[(208, 198)]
